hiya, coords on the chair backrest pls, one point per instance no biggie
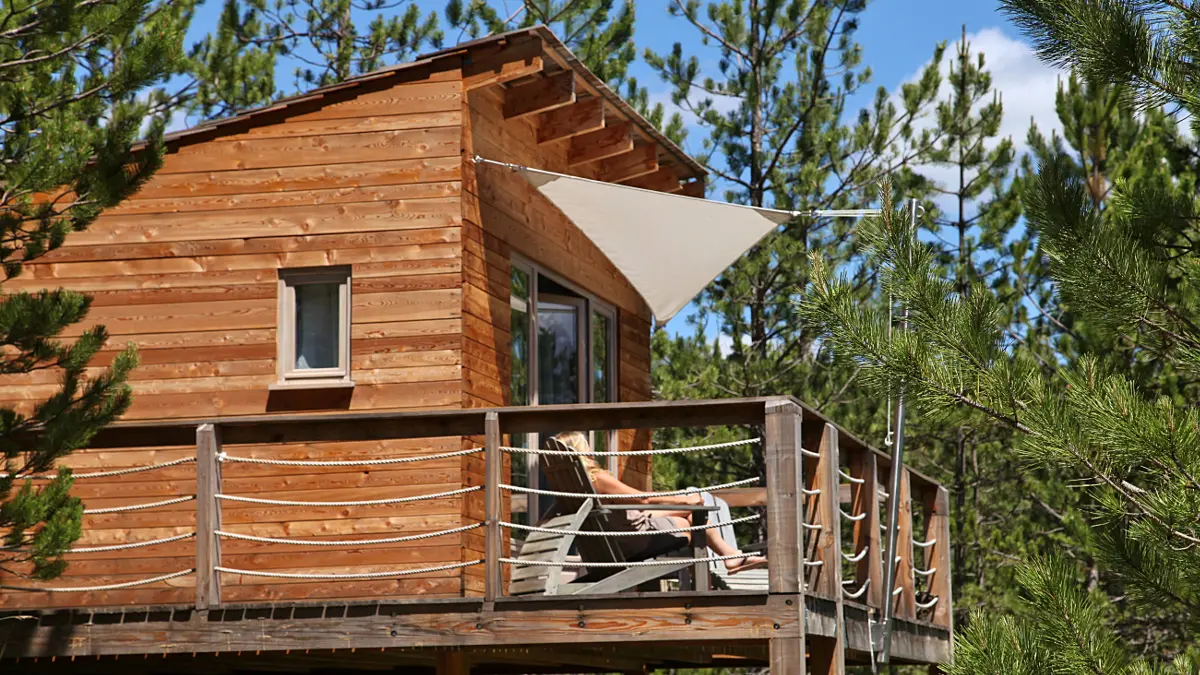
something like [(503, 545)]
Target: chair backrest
[(566, 473)]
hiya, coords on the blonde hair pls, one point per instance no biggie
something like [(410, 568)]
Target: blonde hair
[(578, 441)]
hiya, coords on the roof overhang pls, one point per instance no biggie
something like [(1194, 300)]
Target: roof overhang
[(669, 246)]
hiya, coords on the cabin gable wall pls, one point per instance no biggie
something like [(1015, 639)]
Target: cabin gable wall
[(187, 270)]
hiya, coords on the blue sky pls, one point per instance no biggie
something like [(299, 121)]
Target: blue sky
[(897, 39)]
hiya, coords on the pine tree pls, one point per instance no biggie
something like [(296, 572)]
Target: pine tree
[(72, 106), (1127, 267), (778, 134), (1000, 510), (330, 41)]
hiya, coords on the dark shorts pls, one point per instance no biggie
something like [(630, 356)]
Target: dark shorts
[(655, 543)]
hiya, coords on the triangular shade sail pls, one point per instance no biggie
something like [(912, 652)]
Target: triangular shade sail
[(668, 246)]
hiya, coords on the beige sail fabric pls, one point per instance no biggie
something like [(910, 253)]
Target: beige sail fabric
[(668, 246)]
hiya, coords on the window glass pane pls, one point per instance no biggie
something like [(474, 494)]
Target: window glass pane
[(520, 283), (520, 358), (558, 353), (317, 319), (601, 358), (520, 476)]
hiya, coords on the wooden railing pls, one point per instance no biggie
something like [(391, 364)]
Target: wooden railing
[(822, 496)]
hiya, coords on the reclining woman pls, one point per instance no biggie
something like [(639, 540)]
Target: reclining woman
[(657, 520)]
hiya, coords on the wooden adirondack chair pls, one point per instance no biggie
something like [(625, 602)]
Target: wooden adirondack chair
[(567, 474)]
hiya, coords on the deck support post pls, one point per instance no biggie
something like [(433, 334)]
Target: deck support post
[(208, 516), (781, 450), (453, 663), (493, 464), (827, 654)]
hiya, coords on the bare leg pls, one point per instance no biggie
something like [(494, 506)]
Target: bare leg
[(724, 548)]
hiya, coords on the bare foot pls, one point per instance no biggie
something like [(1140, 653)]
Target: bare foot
[(749, 562)]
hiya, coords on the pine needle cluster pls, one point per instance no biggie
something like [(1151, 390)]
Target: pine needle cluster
[(73, 110)]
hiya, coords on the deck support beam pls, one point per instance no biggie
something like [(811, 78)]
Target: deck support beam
[(453, 663)]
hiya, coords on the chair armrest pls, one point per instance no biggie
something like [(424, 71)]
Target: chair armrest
[(659, 507)]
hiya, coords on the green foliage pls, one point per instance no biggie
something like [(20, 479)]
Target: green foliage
[(777, 133), (1142, 454), (1000, 509), (330, 41), (72, 106)]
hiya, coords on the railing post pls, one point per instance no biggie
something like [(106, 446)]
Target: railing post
[(782, 457), (864, 498), (208, 516), (493, 464), (827, 655), (781, 450), (825, 546), (906, 608), (937, 528)]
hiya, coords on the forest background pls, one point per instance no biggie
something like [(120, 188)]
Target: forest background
[(799, 105), (813, 104)]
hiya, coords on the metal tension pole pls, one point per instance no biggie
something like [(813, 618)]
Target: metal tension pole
[(889, 574)]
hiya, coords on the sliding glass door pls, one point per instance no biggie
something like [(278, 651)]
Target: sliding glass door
[(563, 351)]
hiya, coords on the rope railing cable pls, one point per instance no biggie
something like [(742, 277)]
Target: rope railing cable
[(813, 563), (811, 526), (675, 530), (856, 557), (347, 462), (139, 507), (857, 594), (658, 562), (105, 587), (114, 472), (348, 575), (852, 479), (631, 453), (636, 495), (136, 544), (853, 519), (810, 493), (368, 502), (925, 573), (809, 453), (347, 542), (927, 605), (925, 544)]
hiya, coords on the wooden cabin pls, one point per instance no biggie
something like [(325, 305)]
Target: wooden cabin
[(334, 278)]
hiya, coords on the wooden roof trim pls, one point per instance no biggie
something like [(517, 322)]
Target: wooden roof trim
[(563, 55), (452, 58)]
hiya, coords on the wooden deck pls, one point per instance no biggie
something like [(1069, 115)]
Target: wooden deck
[(824, 588)]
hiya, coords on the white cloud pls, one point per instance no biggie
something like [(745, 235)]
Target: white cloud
[(725, 343)]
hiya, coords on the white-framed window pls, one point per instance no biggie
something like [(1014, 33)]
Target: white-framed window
[(564, 350), (314, 327)]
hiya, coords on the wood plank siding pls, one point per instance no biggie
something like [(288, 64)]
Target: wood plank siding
[(381, 179), (187, 271)]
